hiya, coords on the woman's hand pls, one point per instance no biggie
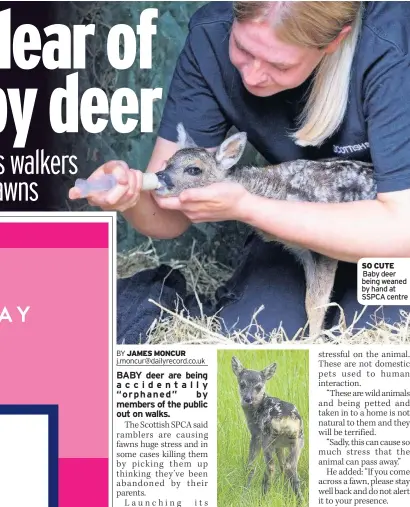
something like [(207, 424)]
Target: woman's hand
[(123, 196), (215, 203)]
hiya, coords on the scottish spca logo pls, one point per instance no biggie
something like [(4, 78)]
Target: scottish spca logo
[(350, 148)]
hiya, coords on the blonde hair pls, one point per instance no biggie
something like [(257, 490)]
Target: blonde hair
[(315, 25)]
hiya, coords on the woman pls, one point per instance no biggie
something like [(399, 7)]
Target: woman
[(304, 80)]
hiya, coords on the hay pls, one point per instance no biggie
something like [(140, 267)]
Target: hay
[(175, 327), (204, 275)]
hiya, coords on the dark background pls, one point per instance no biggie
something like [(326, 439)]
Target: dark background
[(40, 134), (221, 240)]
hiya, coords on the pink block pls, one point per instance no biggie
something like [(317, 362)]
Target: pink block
[(60, 355), (53, 235), (83, 482)]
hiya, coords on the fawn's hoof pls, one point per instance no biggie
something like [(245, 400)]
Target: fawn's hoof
[(265, 487)]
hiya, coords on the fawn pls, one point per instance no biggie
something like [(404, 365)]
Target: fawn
[(275, 425), (326, 180)]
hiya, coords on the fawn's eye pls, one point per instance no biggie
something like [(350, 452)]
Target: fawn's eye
[(193, 170), (258, 388), (243, 385)]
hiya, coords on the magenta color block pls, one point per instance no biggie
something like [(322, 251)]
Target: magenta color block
[(83, 482), (54, 235), (60, 355)]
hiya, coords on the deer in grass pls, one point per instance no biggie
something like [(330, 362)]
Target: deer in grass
[(275, 426)]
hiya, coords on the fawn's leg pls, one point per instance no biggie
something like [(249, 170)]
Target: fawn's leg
[(254, 448), (319, 286), (280, 454), (291, 467), (270, 468)]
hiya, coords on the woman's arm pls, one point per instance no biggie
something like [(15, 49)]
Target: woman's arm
[(345, 231), (146, 216)]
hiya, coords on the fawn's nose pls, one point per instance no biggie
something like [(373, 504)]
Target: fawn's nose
[(247, 399), (165, 179)]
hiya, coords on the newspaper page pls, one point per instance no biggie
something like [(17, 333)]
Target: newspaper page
[(205, 245)]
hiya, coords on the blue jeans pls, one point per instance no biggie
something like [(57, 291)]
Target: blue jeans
[(267, 276)]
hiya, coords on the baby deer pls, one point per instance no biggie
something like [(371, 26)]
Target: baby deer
[(274, 425), (326, 180)]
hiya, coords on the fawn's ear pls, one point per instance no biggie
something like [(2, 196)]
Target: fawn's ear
[(237, 367), (184, 140), (231, 150), (269, 371)]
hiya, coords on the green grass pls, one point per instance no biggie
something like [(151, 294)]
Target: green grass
[(290, 383)]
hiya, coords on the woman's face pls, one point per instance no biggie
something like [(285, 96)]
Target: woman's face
[(266, 64)]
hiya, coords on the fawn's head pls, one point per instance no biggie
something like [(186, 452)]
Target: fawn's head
[(193, 167), (251, 383)]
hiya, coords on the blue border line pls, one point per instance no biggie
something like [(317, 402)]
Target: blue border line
[(52, 412)]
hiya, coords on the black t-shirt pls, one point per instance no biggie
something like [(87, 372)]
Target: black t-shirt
[(208, 97)]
